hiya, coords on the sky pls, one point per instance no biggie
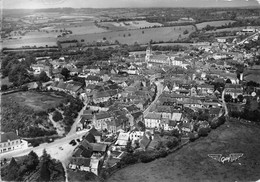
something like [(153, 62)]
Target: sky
[(39, 4)]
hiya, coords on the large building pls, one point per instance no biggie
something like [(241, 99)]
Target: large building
[(163, 59), (10, 141)]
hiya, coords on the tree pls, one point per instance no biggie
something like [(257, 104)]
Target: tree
[(33, 161), (44, 167), (240, 98), (43, 77), (185, 32), (228, 98), (141, 125), (172, 143), (175, 133), (117, 42), (159, 145), (18, 74), (65, 72), (4, 87), (129, 147), (12, 173), (203, 131), (57, 116), (228, 81)]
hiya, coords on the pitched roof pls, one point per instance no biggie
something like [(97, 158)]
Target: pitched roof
[(87, 117), (137, 114), (99, 147), (93, 78), (102, 115), (8, 136), (80, 161), (95, 132), (102, 94), (89, 137), (176, 116), (152, 115), (132, 108), (144, 142), (122, 138)]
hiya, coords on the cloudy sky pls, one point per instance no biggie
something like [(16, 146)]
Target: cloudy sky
[(36, 4)]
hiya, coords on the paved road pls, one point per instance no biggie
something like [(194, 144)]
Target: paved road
[(248, 38), (159, 92), (224, 105), (59, 149)]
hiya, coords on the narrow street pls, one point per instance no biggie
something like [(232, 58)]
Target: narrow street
[(224, 105), (159, 92)]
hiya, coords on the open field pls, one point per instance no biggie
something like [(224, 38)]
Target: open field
[(142, 36), (78, 27), (213, 23), (48, 35), (38, 42), (128, 25), (191, 163), (232, 29), (35, 100)]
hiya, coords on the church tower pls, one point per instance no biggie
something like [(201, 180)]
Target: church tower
[(148, 53)]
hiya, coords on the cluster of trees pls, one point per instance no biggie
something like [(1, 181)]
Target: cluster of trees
[(252, 44), (17, 71), (57, 116), (15, 172), (70, 109), (229, 98), (23, 119), (204, 131), (251, 112), (33, 168)]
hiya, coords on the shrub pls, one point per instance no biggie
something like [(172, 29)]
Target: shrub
[(145, 158), (51, 109), (203, 131), (163, 153), (4, 87), (172, 143), (129, 159), (57, 116), (159, 145), (193, 137), (214, 124), (175, 133)]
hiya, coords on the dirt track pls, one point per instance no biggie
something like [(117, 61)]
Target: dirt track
[(191, 163)]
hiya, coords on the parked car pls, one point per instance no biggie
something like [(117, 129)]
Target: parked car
[(73, 142)]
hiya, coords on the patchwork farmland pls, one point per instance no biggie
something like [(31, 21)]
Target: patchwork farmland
[(142, 36), (213, 23)]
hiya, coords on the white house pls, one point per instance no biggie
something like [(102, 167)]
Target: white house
[(136, 135), (10, 141), (152, 120)]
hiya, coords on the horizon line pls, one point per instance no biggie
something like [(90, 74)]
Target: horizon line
[(195, 7)]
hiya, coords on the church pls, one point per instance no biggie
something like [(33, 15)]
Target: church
[(162, 59), (151, 59)]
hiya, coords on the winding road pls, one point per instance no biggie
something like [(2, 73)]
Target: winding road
[(60, 149)]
